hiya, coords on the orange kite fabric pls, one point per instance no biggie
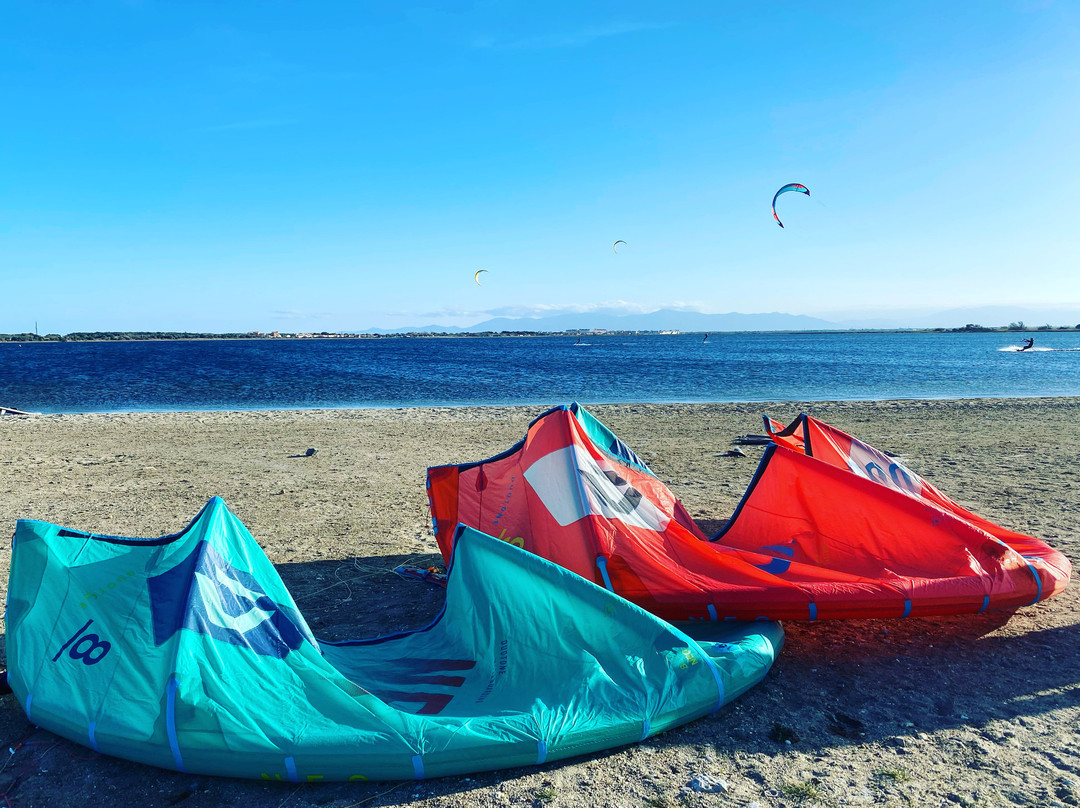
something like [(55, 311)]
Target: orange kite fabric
[(819, 534)]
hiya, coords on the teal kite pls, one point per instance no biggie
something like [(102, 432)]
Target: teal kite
[(187, 652), (791, 186)]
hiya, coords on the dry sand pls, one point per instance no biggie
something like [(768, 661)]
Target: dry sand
[(972, 710)]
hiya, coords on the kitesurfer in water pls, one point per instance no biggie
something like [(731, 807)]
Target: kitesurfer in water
[(1030, 341)]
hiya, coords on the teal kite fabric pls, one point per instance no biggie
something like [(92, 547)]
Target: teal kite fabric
[(188, 652)]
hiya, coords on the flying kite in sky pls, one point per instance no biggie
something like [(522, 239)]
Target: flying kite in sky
[(476, 277), (615, 246), (792, 186)]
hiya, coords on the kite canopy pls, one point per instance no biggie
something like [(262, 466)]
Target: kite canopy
[(188, 652), (809, 436), (808, 541), (791, 186)]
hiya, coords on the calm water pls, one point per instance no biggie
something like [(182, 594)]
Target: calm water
[(286, 374)]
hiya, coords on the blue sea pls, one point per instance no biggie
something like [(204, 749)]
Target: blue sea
[(440, 371)]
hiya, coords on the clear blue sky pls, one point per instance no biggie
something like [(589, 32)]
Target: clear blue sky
[(231, 166)]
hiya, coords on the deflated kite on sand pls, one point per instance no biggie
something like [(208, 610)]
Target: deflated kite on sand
[(188, 652), (809, 540)]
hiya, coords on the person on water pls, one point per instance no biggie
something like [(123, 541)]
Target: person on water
[(1030, 341)]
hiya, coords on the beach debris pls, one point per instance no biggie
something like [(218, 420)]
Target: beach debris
[(311, 452), (476, 277), (736, 452), (431, 575), (781, 733), (845, 726), (615, 246), (12, 411), (791, 186), (707, 784), (752, 440)]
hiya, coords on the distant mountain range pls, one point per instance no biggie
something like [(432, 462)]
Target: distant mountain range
[(676, 320)]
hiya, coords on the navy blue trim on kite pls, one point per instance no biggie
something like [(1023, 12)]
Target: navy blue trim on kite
[(807, 449), (501, 455), (770, 450), (131, 541)]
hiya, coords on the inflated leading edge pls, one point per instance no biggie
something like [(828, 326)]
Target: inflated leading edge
[(809, 540), (188, 652)]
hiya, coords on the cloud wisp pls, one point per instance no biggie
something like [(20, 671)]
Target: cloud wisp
[(549, 309), (566, 39)]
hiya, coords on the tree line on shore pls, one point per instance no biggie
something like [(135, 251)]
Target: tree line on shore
[(123, 336)]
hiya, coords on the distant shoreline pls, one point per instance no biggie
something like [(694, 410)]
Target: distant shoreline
[(170, 336)]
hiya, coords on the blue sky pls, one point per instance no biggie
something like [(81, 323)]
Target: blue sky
[(233, 166)]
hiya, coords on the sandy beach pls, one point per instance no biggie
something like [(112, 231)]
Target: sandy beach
[(971, 710)]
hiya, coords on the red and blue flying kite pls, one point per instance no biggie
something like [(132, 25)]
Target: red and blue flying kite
[(792, 186)]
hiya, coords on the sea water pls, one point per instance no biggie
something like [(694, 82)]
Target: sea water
[(465, 371)]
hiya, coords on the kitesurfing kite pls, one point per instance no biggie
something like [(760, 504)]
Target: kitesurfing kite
[(188, 652), (791, 186), (476, 277), (810, 539), (615, 246)]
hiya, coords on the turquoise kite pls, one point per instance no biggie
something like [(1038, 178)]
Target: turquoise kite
[(187, 652), (791, 186)]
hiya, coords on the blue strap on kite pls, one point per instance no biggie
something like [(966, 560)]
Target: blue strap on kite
[(813, 611), (646, 727), (170, 722), (90, 734), (1038, 580), (601, 563), (907, 608), (719, 683), (290, 768), (418, 767), (778, 566), (541, 752)]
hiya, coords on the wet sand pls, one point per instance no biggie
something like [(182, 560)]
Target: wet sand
[(971, 710)]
